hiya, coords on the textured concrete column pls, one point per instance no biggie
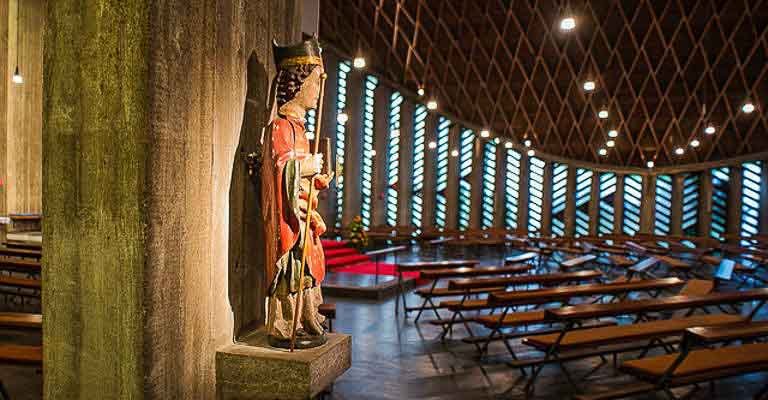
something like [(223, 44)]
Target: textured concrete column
[(405, 180), (546, 200), (476, 180), (326, 205), (736, 182), (353, 147), (569, 216), (705, 203), (452, 191), (522, 215), (500, 193), (430, 175), (618, 206), (594, 204), (143, 108), (676, 211), (381, 145), (648, 204), (764, 197)]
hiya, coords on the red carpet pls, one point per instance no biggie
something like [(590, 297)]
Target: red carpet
[(339, 257)]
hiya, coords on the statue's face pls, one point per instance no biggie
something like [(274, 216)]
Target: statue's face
[(310, 89)]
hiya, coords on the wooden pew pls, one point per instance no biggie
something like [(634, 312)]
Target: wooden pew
[(581, 261), (569, 317), (695, 362), (35, 255), (23, 245), (21, 320), (464, 272), (421, 266), (377, 254), (521, 258), (23, 266), (20, 287)]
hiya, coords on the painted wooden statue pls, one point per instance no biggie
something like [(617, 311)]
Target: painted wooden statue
[(295, 264)]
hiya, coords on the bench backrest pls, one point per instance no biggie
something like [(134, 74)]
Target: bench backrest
[(544, 279)]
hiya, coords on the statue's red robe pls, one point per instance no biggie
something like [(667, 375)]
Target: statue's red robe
[(289, 148)]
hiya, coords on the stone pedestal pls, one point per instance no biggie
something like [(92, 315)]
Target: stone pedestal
[(253, 370)]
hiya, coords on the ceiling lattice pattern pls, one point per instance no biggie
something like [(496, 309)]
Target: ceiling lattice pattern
[(506, 65)]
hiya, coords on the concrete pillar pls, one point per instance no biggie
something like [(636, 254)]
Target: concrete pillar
[(648, 204), (522, 215), (764, 197), (353, 147), (705, 203), (452, 191), (500, 193), (476, 180), (405, 180), (546, 200), (676, 211), (569, 216), (430, 174), (381, 145), (618, 206), (326, 205), (594, 204), (736, 182), (136, 189)]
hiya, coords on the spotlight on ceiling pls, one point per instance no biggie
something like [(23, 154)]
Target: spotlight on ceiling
[(485, 133), (432, 105), (432, 145), (454, 153), (650, 164), (613, 133), (589, 86), (527, 143), (695, 143), (531, 153), (710, 129), (358, 62), (17, 78), (602, 152), (603, 114), (342, 118), (679, 151), (567, 24), (610, 143), (420, 91), (508, 145), (748, 108)]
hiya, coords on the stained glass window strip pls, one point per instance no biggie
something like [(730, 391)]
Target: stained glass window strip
[(466, 148), (690, 217), (366, 176), (663, 205), (535, 194), (489, 184), (720, 188), (512, 189), (341, 103), (393, 157), (441, 170), (419, 147), (583, 196), (750, 198), (633, 194), (559, 195), (606, 212)]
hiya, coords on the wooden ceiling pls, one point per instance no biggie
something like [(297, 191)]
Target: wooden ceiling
[(506, 65)]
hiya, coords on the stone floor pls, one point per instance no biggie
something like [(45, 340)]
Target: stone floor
[(395, 358)]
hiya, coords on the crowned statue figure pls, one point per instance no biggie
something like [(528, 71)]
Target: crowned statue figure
[(288, 169)]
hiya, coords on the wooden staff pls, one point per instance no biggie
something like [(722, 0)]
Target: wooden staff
[(307, 230)]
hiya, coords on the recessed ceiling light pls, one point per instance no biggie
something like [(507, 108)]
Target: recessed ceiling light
[(709, 130), (589, 86), (567, 24), (603, 151), (610, 143), (613, 133), (748, 107), (650, 164), (484, 133), (342, 118), (358, 62), (432, 145), (508, 144), (531, 153), (527, 143), (679, 151), (432, 105), (695, 143), (420, 92), (454, 153), (603, 114)]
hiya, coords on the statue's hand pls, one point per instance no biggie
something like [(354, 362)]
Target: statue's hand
[(322, 181)]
